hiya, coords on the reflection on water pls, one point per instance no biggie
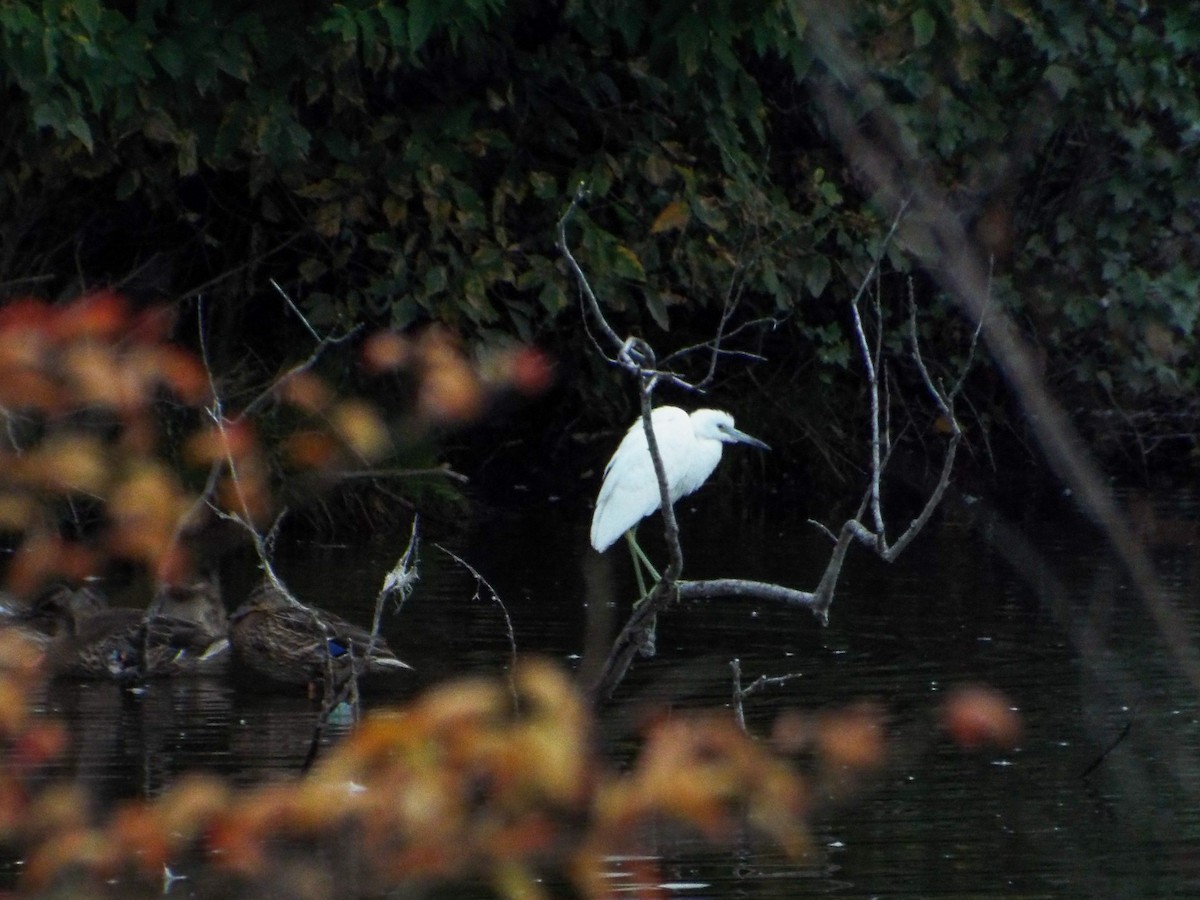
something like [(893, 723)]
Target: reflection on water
[(1036, 608)]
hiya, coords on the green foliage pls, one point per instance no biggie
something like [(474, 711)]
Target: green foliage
[(406, 162), (1079, 149), (418, 155)]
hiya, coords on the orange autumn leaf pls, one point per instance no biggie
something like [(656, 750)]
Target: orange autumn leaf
[(307, 392), (179, 371), (146, 510), (42, 557), (192, 803), (310, 449), (151, 326), (532, 371), (674, 216), (450, 393), (19, 656), (83, 847), (23, 388), (249, 495), (100, 315), (235, 440), (39, 745), (25, 314), (13, 711), (148, 496), (975, 716), (852, 738), (137, 836), (17, 510), (60, 808), (139, 434), (99, 377), (386, 351)]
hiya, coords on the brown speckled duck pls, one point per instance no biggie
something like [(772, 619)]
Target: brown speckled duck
[(185, 631), (87, 638), (290, 643)]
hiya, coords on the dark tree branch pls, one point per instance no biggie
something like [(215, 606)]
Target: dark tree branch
[(636, 356)]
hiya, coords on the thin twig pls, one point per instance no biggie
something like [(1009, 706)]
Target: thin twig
[(762, 681), (480, 581), (201, 289)]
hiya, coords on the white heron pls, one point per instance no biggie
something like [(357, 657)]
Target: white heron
[(690, 448)]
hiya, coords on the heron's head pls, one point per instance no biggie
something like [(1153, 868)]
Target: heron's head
[(717, 425)]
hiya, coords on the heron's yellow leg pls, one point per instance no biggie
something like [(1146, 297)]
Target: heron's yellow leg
[(640, 559)]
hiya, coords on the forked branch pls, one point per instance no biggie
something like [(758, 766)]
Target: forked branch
[(635, 356)]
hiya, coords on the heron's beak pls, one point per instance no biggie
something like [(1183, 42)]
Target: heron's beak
[(742, 438)]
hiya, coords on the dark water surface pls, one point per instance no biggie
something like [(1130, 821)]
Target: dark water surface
[(1035, 606)]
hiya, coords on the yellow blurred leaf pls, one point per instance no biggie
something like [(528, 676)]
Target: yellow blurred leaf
[(674, 216), (359, 425), (16, 511), (68, 462), (150, 495), (96, 376)]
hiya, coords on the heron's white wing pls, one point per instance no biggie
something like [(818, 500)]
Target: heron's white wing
[(630, 490)]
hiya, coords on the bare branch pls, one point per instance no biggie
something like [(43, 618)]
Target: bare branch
[(272, 389), (954, 260), (200, 289), (624, 349), (443, 470), (715, 588), (480, 581), (741, 693), (295, 309)]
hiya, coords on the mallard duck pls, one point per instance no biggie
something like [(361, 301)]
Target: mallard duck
[(59, 609), (182, 632), (281, 639), (185, 631), (87, 638)]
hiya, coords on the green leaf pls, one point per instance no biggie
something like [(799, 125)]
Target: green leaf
[(924, 26), (78, 127), (816, 278), (545, 185), (658, 310), (420, 23), (1061, 80), (627, 265), (435, 281), (552, 297), (168, 53)]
